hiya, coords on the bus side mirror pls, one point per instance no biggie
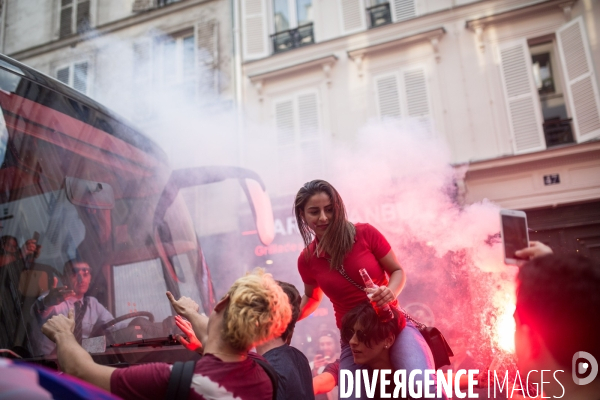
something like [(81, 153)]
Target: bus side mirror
[(90, 194), (261, 208)]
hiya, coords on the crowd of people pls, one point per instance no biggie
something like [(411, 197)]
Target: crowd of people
[(245, 341)]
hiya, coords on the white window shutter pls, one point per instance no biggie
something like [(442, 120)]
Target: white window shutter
[(284, 122), (207, 45), (82, 21), (522, 102), (310, 141), (285, 127), (581, 85), (403, 10), (66, 19), (418, 105), (353, 14), (387, 96), (63, 75), (254, 27), (80, 77), (308, 115)]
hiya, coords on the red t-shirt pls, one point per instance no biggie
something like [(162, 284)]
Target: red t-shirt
[(369, 247), (212, 379)]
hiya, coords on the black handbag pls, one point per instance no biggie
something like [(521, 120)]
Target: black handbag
[(440, 349)]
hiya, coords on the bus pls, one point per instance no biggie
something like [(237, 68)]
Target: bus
[(79, 183)]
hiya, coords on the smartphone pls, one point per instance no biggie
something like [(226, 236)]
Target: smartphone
[(514, 234)]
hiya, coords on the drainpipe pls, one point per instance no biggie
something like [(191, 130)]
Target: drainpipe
[(237, 77), (3, 6)]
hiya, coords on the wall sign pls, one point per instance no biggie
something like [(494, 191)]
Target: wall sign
[(553, 179)]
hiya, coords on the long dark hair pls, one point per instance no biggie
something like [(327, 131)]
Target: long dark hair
[(376, 331), (339, 236)]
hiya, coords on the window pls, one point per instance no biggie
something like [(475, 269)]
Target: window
[(550, 89), (177, 59), (74, 17), (557, 124), (404, 94), (299, 141), (184, 64), (378, 13), (293, 24), (75, 75), (290, 14)]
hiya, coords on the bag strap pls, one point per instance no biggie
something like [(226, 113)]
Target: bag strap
[(180, 380), (271, 373), (418, 324)]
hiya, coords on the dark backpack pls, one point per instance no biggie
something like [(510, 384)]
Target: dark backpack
[(180, 379)]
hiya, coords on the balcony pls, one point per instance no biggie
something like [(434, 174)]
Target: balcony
[(293, 38), (379, 14)]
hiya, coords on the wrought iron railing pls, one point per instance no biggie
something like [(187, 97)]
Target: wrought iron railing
[(379, 14), (293, 38)]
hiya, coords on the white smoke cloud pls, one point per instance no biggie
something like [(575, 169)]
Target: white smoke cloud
[(394, 175)]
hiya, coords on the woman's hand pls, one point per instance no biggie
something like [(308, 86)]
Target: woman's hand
[(395, 271), (381, 296), (192, 343)]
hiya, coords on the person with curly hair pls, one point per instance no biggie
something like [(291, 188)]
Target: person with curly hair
[(254, 310)]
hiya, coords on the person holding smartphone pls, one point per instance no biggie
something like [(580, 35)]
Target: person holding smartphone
[(335, 250)]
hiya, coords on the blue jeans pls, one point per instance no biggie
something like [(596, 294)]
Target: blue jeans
[(409, 352)]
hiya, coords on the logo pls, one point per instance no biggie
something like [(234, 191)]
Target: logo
[(585, 368)]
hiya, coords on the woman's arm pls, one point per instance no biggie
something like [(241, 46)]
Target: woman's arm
[(310, 300), (386, 294)]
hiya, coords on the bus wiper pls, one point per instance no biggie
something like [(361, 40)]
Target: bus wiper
[(154, 342)]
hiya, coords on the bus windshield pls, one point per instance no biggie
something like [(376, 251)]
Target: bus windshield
[(92, 220)]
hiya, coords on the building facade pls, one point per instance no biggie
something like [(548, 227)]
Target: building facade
[(510, 86), (132, 47)]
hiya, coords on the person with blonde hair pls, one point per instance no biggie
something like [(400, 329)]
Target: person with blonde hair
[(254, 310)]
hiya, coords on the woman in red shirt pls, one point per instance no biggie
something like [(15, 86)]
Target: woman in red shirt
[(335, 246)]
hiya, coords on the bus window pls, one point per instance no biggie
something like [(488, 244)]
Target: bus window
[(88, 203), (141, 287)]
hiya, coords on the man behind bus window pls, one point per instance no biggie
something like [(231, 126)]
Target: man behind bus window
[(88, 311)]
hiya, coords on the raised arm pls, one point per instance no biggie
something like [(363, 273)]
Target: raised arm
[(386, 294), (72, 358), (310, 300), (188, 309)]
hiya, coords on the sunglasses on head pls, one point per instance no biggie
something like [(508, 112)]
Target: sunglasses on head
[(348, 334)]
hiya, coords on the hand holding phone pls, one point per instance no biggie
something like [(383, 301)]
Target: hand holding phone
[(514, 235), (535, 249)]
